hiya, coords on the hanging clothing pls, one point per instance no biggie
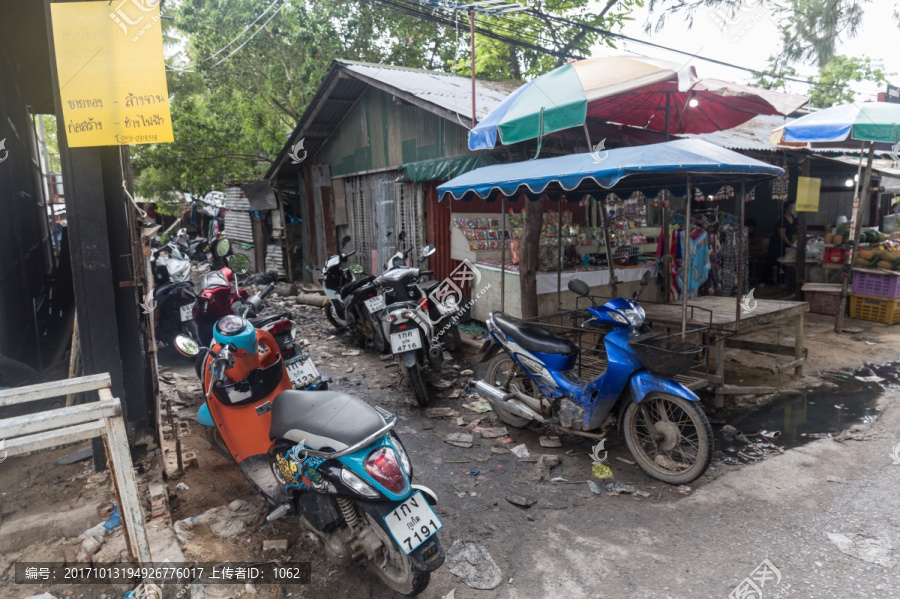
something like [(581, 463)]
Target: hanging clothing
[(697, 268)]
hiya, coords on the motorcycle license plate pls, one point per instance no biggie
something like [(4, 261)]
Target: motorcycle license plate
[(413, 522), (405, 341), (302, 374), (187, 312), (375, 304)]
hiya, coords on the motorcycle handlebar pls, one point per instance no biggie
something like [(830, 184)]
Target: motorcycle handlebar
[(422, 273), (350, 254)]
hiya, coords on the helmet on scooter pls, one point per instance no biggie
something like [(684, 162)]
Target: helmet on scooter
[(234, 330)]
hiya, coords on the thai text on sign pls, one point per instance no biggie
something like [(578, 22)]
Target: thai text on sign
[(111, 73)]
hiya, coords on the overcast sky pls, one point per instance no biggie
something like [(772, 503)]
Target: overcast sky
[(753, 35)]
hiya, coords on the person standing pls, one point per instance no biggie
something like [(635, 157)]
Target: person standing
[(783, 237)]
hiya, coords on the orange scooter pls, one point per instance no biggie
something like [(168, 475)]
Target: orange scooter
[(327, 458)]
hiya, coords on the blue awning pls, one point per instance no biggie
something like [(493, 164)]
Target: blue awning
[(648, 169)]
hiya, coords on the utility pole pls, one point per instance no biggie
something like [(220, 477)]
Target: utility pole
[(472, 30)]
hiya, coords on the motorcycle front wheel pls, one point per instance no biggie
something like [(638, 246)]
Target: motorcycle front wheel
[(670, 437), (396, 570), (417, 383), (218, 443), (332, 317)]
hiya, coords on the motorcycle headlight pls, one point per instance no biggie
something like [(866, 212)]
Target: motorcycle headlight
[(635, 315)]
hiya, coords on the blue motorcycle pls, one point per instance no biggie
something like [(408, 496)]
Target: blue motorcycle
[(535, 380)]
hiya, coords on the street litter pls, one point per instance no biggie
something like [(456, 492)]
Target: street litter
[(618, 488), (224, 521), (441, 412), (182, 487), (492, 433), (552, 441), (868, 548), (473, 564), (681, 489), (499, 450), (601, 471), (626, 460), (459, 439), (520, 451), (594, 487), (520, 501), (478, 406), (466, 372), (350, 352)]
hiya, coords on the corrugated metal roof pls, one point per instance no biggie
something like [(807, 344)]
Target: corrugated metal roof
[(752, 135), (237, 216), (451, 92)]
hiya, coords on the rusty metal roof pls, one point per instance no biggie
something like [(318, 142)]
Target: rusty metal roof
[(752, 135), (444, 94)]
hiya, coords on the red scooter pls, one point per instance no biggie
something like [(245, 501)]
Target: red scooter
[(218, 292)]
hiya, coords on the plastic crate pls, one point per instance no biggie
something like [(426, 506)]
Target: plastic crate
[(834, 255), (876, 309), (874, 283), (823, 298)]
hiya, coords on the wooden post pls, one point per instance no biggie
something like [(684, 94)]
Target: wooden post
[(740, 272), (528, 262), (799, 332), (800, 264), (855, 227), (559, 262), (503, 253), (686, 261), (613, 283), (472, 32)]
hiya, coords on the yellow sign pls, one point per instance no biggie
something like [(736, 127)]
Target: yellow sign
[(808, 194), (112, 78)]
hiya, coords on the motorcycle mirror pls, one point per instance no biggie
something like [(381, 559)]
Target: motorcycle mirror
[(186, 346), (223, 247), (579, 287), (402, 237), (356, 269), (239, 263), (645, 279), (308, 268), (428, 250), (345, 240)]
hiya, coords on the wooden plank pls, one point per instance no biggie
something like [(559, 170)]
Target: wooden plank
[(736, 390), (795, 364), (799, 350), (122, 472), (769, 348), (19, 395), (51, 419), (62, 436)]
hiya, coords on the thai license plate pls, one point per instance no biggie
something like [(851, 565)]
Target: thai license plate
[(375, 304), (187, 312), (405, 341), (302, 373), (413, 522)]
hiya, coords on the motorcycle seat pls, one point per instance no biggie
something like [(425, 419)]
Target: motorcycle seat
[(354, 285), (322, 420), (264, 320), (533, 337)]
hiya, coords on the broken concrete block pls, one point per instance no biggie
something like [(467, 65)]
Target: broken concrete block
[(189, 459)]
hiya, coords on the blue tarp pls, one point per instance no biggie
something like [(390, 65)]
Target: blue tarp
[(648, 169)]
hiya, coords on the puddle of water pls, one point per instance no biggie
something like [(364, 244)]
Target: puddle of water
[(812, 415)]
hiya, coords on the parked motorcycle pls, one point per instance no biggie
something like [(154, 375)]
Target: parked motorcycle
[(173, 295), (354, 301), (327, 458), (219, 250), (410, 322), (168, 264), (218, 291), (534, 380)]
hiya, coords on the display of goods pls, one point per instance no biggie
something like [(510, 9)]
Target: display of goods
[(876, 284), (875, 309)]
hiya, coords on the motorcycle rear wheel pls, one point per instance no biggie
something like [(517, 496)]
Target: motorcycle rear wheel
[(417, 383), (218, 443), (679, 448), (396, 570), (496, 375)]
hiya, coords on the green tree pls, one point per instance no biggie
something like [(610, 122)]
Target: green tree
[(834, 85)]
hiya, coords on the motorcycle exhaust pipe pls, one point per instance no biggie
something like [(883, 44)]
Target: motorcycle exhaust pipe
[(496, 397), (436, 354)]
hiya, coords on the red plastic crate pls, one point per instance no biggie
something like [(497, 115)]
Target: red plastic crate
[(876, 283), (835, 255)]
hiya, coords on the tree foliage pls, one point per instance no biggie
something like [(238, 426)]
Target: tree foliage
[(834, 85)]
